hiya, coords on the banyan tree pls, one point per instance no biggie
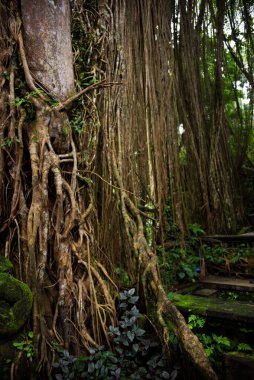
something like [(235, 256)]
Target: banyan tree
[(92, 96)]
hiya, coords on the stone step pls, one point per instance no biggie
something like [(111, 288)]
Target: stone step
[(218, 282), (243, 238), (239, 366), (205, 292), (214, 307)]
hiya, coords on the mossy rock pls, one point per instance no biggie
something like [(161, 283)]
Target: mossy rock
[(15, 304), (214, 307), (238, 365), (5, 265)]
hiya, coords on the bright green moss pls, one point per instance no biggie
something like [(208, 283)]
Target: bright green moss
[(5, 265), (15, 304), (231, 310), (241, 354)]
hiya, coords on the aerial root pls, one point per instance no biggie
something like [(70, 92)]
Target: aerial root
[(168, 315), (74, 301)]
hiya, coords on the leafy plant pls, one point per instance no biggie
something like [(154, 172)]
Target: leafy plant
[(64, 367), (25, 100), (136, 356), (195, 231), (214, 345), (196, 322), (226, 259), (134, 346), (26, 345), (180, 263), (85, 79), (7, 142), (100, 364), (244, 347), (123, 276), (5, 75), (189, 267), (214, 254), (77, 122), (228, 295)]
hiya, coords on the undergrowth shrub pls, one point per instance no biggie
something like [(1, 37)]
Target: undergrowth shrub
[(180, 264), (215, 345), (135, 356)]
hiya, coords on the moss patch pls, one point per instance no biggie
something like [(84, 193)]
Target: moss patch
[(5, 265), (241, 354), (15, 304), (232, 310)]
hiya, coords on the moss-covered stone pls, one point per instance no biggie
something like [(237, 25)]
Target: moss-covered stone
[(238, 365), (15, 304), (241, 354), (5, 265), (213, 307)]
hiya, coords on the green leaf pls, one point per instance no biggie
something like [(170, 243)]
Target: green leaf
[(209, 351), (91, 367), (131, 292), (130, 335), (181, 275), (244, 347), (223, 340), (170, 296), (19, 345), (135, 347), (139, 332)]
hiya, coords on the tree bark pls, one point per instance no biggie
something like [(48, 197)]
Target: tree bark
[(47, 37)]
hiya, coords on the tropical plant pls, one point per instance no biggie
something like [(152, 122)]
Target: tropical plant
[(135, 356), (181, 263), (25, 344), (215, 345)]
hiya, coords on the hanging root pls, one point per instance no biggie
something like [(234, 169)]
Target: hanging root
[(168, 314), (77, 295), (54, 237), (48, 227)]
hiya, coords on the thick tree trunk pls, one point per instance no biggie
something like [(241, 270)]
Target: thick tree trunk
[(51, 248), (47, 37), (138, 109), (57, 240)]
